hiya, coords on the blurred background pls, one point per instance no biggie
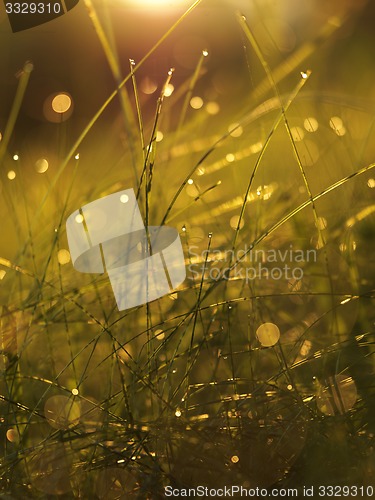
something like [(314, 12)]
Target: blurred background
[(194, 388)]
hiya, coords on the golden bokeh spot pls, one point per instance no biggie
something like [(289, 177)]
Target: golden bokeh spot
[(297, 134), (41, 165), (63, 256), (268, 334), (168, 91), (196, 102), (159, 334), (235, 220), (159, 136), (235, 130), (61, 103), (311, 124), (212, 108), (336, 123), (12, 435)]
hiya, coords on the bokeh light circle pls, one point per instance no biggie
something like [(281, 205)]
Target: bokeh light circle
[(268, 334), (61, 103)]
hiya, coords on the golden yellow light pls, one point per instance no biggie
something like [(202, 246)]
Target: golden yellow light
[(148, 86), (196, 102), (297, 134), (235, 220), (168, 91), (335, 122), (12, 435), (235, 130), (311, 124), (61, 103), (212, 108), (159, 136), (63, 256), (41, 165), (159, 334), (11, 175), (268, 334)]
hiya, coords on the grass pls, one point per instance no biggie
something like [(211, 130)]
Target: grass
[(184, 391)]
